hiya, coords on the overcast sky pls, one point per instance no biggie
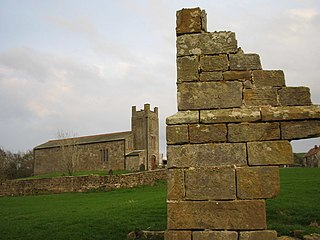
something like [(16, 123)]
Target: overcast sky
[(79, 66)]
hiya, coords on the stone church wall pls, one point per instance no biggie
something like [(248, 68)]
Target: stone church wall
[(50, 159)]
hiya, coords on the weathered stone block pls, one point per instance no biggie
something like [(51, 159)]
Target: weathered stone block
[(290, 96), (211, 76), (258, 182), (211, 154), (258, 235), (214, 63), (190, 21), (204, 133), (260, 97), (268, 78), (269, 153), (237, 75), (248, 132), (300, 129), (216, 235), (177, 134), (188, 69), (230, 115), (290, 113), (183, 117), (228, 215), (175, 189), (210, 183), (206, 43), (242, 61), (177, 235), (206, 95)]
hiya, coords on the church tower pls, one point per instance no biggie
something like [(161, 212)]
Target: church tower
[(145, 129)]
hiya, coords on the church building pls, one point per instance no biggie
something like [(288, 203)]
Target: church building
[(133, 150)]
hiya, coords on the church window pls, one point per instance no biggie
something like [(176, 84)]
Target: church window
[(104, 155)]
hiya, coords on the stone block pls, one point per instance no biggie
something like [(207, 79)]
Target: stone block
[(248, 132), (190, 21), (258, 235), (210, 154), (216, 183), (211, 76), (230, 115), (237, 75), (227, 215), (242, 61), (177, 235), (214, 63), (175, 189), (206, 43), (188, 69), (269, 153), (268, 78), (294, 96), (257, 182), (300, 129), (183, 117), (177, 134), (216, 235), (290, 113), (260, 97), (207, 95), (204, 133)]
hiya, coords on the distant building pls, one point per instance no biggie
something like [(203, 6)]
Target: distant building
[(312, 157), (133, 150)]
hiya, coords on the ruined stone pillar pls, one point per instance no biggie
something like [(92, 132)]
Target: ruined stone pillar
[(232, 131)]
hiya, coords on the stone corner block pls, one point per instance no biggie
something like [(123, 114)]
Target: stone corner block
[(216, 183), (240, 61), (177, 235), (230, 115), (177, 134), (228, 215), (300, 129), (258, 235), (258, 182), (175, 189), (270, 153), (190, 20), (183, 117), (294, 96), (188, 69), (206, 133), (206, 43), (260, 97), (268, 78), (219, 235), (210, 154), (209, 95)]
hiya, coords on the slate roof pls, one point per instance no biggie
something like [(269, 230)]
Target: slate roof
[(87, 139)]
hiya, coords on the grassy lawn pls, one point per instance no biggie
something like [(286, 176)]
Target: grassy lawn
[(111, 215), (298, 204)]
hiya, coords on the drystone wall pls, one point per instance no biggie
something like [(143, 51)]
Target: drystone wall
[(233, 128), (80, 183)]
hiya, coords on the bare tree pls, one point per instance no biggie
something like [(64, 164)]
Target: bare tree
[(70, 151)]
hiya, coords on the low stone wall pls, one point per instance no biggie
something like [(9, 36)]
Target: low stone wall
[(80, 183)]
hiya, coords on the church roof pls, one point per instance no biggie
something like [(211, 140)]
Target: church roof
[(86, 139)]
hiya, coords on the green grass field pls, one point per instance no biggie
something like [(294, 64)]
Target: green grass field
[(111, 215)]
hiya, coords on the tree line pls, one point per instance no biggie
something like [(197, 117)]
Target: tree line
[(16, 165)]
